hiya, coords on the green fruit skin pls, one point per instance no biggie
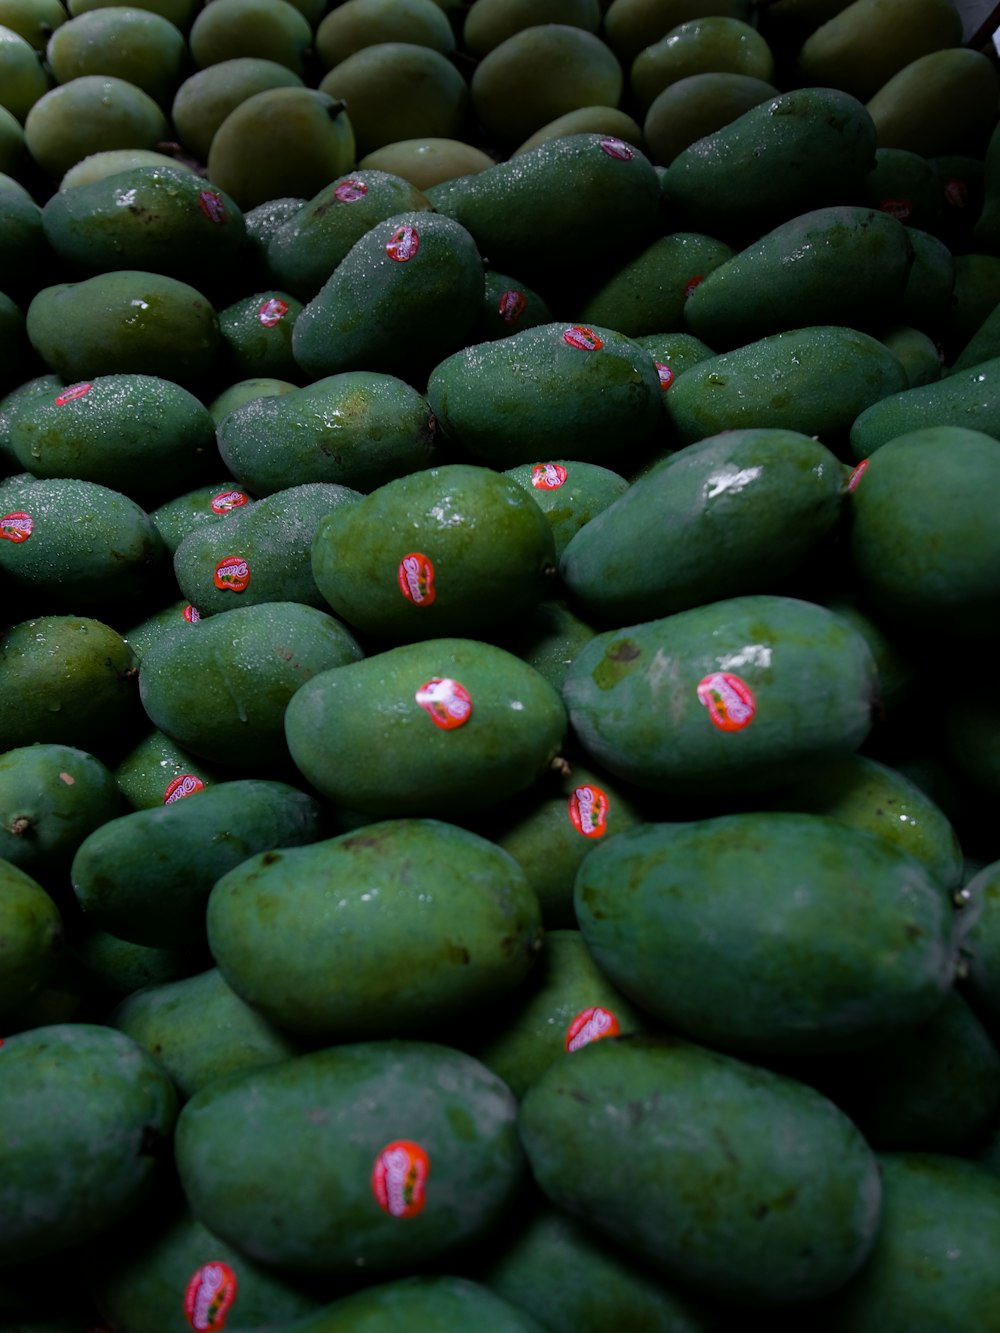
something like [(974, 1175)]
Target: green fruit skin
[(572, 501), (139, 1276), (633, 700), (113, 968), (144, 48), (360, 736), (859, 937), (31, 931), (556, 390), (199, 1029), (701, 526), (353, 938), (279, 1161), (435, 1303), (815, 380), (357, 428), (145, 774), (183, 847), (105, 1106), (186, 512), (126, 321), (804, 149), (490, 547), (221, 689), (830, 265), (404, 296), (90, 114), (275, 535), (736, 1181), (935, 1206), (964, 399)]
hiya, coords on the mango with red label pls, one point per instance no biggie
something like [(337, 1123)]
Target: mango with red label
[(256, 336), (456, 549), (738, 695), (186, 511), (405, 295), (439, 728), (388, 1155), (569, 493), (358, 937)]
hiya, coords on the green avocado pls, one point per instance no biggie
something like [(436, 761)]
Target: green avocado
[(388, 1155), (738, 1182), (738, 695)]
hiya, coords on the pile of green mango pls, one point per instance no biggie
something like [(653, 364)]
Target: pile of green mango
[(499, 758)]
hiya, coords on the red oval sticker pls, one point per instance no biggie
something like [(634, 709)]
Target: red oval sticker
[(512, 305), (404, 244), (16, 526), (209, 1297), (350, 191), (212, 205), (664, 374), (184, 785), (272, 311), (232, 574), (618, 148), (448, 703), (228, 500), (73, 392), (588, 810), (191, 614), (728, 699), (591, 1025), (416, 579), (548, 476), (582, 337), (399, 1178)]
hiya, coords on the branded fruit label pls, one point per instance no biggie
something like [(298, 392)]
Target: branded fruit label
[(580, 336), (191, 614), (664, 374), (399, 1178), (16, 526), (272, 312), (728, 699), (416, 579), (692, 283), (512, 305), (617, 148), (901, 209), (73, 392), (857, 474), (350, 191), (591, 1025), (588, 810), (232, 574), (209, 1297), (448, 703), (548, 476), (212, 206), (184, 785), (956, 192), (404, 243), (226, 501)]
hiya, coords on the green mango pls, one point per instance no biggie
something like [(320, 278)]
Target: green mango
[(805, 149), (277, 31), (944, 101), (695, 107), (681, 1155), (220, 689), (548, 638), (183, 847), (437, 1303), (51, 797), (179, 12), (25, 254), (342, 31), (451, 550), (830, 265), (124, 322), (34, 20), (142, 436), (935, 479), (168, 1269), (508, 208), (647, 293), (352, 937), (157, 219), (813, 955), (919, 355), (404, 296), (487, 23), (935, 1205), (701, 525), (360, 1154), (979, 971), (358, 428), (256, 336), (427, 161), (565, 1003), (632, 25), (508, 307), (929, 287), (134, 44), (89, 114), (207, 96), (460, 725), (189, 511), (26, 78), (568, 493), (904, 185), (10, 405), (200, 1030), (738, 695), (110, 1108), (714, 42), (275, 538), (31, 928), (156, 770), (158, 623), (113, 968), (67, 680), (961, 400), (76, 544), (243, 391), (557, 390), (812, 380), (559, 1271)]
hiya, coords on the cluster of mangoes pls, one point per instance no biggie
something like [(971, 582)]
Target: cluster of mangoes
[(498, 562)]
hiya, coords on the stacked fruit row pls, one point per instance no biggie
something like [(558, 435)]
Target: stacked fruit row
[(497, 556)]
